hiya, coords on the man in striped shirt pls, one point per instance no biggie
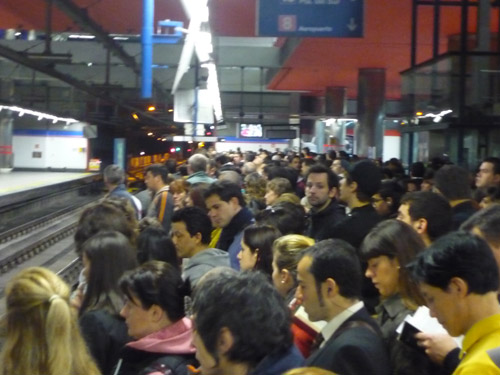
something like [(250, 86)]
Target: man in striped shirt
[(162, 205)]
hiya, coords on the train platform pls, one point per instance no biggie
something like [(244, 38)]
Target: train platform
[(18, 186)]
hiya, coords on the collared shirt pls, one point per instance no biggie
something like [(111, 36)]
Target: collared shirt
[(337, 321), (481, 337)]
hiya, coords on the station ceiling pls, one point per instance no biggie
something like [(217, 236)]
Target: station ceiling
[(311, 66)]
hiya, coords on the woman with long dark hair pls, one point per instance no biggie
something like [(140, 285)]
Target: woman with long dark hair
[(256, 248), (106, 256)]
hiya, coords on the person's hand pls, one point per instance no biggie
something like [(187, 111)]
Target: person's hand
[(77, 298), (436, 345)]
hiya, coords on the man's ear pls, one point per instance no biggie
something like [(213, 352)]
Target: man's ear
[(156, 313), (353, 186), (198, 237), (420, 225), (234, 201), (333, 192), (225, 340), (458, 287), (330, 287)]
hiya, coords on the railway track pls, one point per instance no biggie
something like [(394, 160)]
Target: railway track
[(42, 239)]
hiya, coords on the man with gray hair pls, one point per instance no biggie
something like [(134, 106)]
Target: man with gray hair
[(114, 179), (197, 168)]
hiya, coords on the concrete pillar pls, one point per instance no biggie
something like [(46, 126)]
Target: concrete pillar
[(371, 112), (481, 64), (6, 155), (319, 132), (335, 101)]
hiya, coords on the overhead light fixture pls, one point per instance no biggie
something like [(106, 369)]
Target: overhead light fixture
[(39, 115), (436, 117), (151, 108), (135, 116)]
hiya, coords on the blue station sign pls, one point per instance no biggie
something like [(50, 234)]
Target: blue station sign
[(310, 18)]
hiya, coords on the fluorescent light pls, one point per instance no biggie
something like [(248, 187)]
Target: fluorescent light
[(39, 115), (81, 36)]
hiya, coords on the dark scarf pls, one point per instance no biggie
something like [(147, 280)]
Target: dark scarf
[(241, 220)]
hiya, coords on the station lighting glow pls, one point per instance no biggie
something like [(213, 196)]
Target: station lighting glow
[(170, 110), (150, 134), (436, 117), (172, 150), (151, 108), (38, 115), (135, 116), (142, 153), (419, 113)]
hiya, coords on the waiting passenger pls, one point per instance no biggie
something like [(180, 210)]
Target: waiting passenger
[(321, 191), (242, 326), (100, 217), (154, 314), (453, 182), (442, 348), (162, 205), (428, 213), (42, 335), (114, 179), (106, 256), (489, 173), (278, 190), (180, 190), (255, 191), (287, 251), (256, 248), (227, 210), (191, 229), (389, 248), (359, 184), (386, 200), (329, 276), (197, 169), (458, 277), (154, 243), (287, 217)]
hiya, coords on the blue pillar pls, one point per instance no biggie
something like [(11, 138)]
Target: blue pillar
[(147, 48)]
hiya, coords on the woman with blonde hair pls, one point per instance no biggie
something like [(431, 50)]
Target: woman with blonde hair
[(287, 251), (42, 335)]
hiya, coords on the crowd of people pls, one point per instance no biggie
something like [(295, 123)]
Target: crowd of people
[(273, 264)]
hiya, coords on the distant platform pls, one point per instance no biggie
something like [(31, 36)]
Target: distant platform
[(19, 186)]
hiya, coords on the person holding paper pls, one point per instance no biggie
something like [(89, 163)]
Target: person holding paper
[(387, 249), (329, 286), (459, 279)]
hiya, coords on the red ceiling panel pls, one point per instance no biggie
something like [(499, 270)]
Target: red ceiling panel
[(315, 64)]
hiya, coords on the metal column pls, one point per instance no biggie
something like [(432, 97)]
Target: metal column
[(335, 101), (6, 155), (371, 111)]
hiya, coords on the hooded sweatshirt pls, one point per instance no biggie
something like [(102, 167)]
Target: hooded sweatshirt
[(198, 265), (170, 348)]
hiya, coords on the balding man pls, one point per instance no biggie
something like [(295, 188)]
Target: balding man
[(197, 168)]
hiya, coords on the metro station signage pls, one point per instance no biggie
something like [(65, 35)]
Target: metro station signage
[(310, 18)]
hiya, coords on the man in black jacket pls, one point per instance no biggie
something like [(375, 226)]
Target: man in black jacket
[(321, 189), (329, 287)]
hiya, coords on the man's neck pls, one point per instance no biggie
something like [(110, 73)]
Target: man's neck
[(159, 188), (481, 307), (198, 249), (458, 201), (325, 205), (340, 305), (234, 369), (354, 202)]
